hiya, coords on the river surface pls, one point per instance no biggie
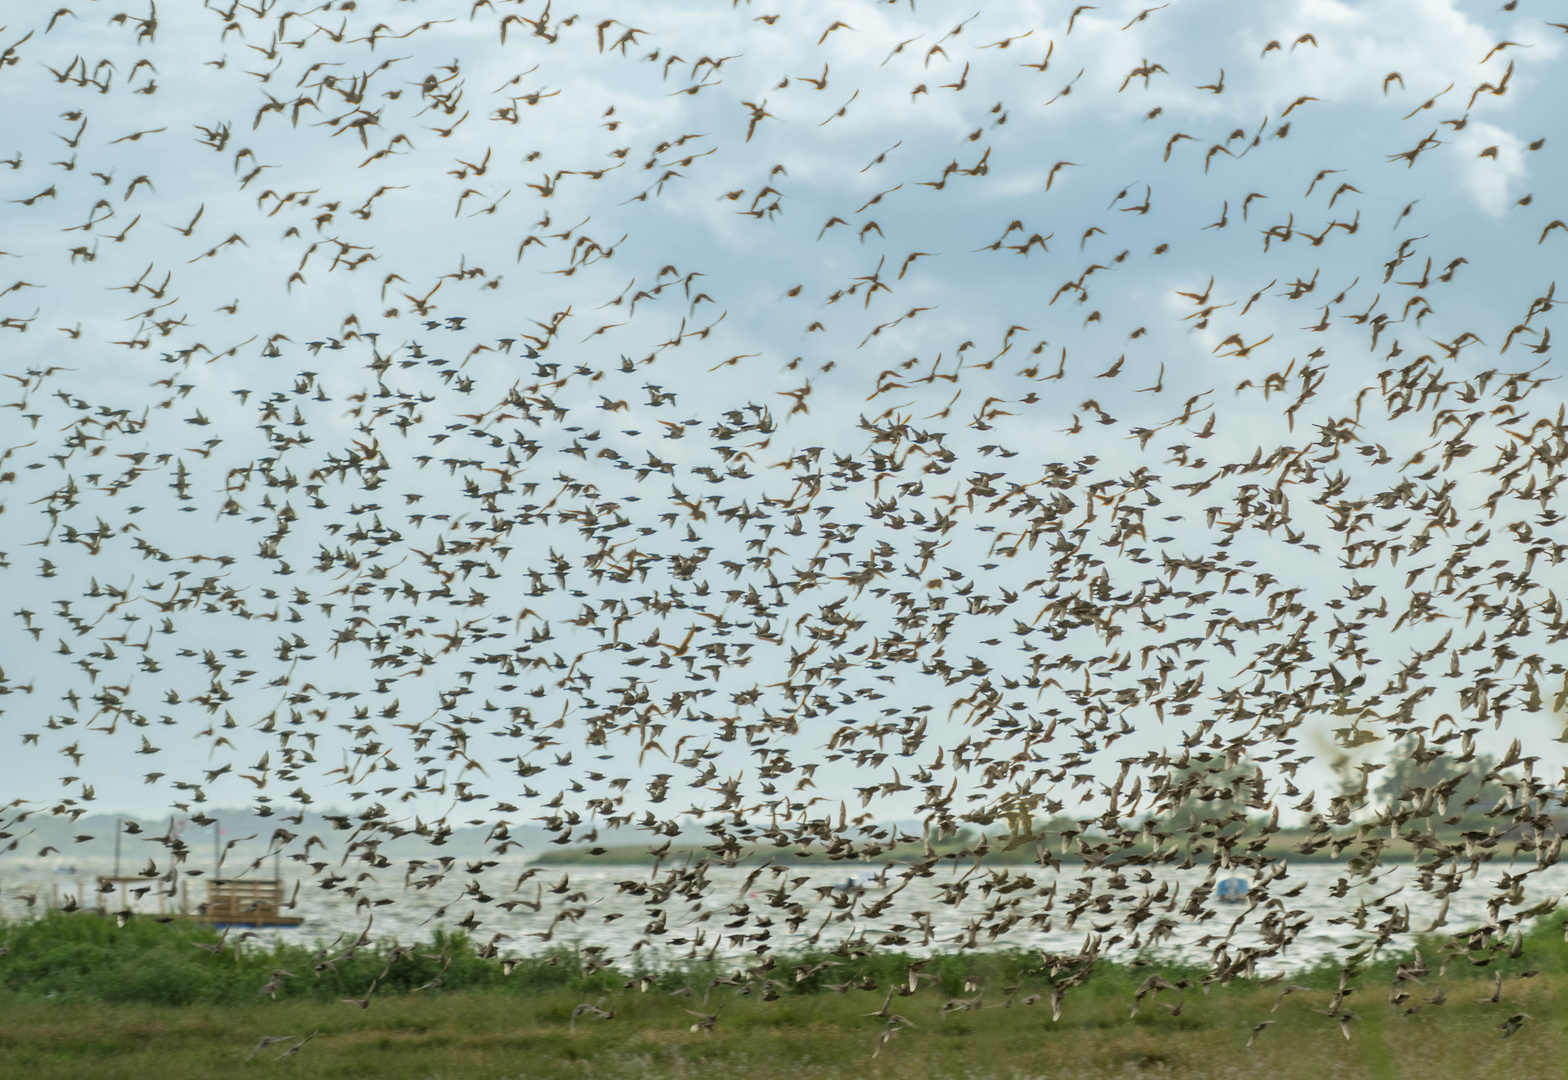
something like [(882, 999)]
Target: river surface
[(617, 920)]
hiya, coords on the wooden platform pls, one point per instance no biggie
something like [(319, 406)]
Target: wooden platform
[(129, 893), (254, 903)]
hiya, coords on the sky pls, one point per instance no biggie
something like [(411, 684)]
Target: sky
[(501, 255)]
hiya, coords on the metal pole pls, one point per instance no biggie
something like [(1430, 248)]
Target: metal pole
[(119, 825), (216, 857)]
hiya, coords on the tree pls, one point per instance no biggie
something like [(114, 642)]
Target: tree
[(1414, 768)]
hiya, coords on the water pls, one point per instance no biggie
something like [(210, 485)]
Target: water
[(618, 920)]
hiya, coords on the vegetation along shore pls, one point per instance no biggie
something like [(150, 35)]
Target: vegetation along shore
[(83, 996)]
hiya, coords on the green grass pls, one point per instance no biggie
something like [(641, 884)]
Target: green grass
[(144, 1002), (82, 957), (476, 1034)]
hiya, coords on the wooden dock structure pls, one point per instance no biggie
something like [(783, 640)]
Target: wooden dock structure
[(129, 893), (253, 903)]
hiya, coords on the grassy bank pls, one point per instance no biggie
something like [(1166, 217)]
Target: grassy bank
[(82, 997), (492, 1036)]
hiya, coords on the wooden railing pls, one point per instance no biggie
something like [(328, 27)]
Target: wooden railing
[(243, 897)]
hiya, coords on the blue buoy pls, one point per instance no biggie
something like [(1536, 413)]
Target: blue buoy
[(1231, 890)]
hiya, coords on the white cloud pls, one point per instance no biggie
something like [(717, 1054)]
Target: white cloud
[(1495, 181)]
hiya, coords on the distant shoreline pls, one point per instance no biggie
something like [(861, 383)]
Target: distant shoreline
[(1390, 854)]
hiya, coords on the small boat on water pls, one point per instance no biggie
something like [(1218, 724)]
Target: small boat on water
[(1231, 890)]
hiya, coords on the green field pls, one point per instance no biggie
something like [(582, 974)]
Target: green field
[(106, 1022)]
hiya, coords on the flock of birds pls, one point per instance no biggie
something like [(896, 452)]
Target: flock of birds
[(952, 587)]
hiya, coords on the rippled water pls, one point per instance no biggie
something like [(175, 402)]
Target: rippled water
[(617, 920)]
